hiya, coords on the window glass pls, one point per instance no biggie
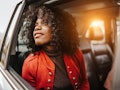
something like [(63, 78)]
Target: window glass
[(9, 32), (19, 49), (11, 49)]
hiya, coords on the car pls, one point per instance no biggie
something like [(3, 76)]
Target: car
[(97, 22)]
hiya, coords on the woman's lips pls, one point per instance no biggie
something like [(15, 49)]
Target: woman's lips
[(36, 35)]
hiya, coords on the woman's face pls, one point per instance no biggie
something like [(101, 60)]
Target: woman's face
[(41, 33)]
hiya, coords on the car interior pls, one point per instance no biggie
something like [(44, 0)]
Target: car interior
[(96, 25)]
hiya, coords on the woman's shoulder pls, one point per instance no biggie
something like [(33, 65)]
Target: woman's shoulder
[(32, 57)]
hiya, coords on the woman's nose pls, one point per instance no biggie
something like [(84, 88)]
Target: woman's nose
[(38, 27)]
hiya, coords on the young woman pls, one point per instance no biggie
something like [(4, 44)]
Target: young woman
[(56, 62)]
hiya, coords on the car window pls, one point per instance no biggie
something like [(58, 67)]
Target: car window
[(19, 48), (8, 29), (9, 17)]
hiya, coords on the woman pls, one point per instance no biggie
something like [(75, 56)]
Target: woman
[(55, 63)]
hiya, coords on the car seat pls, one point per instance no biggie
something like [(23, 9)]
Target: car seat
[(101, 53), (90, 66)]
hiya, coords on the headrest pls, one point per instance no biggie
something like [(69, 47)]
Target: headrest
[(85, 45), (95, 33)]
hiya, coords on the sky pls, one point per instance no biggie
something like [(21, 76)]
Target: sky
[(6, 10)]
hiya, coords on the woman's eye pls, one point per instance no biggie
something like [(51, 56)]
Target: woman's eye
[(44, 24)]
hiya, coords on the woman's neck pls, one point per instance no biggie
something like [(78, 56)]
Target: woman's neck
[(49, 47), (52, 50)]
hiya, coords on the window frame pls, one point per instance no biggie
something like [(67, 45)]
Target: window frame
[(10, 77)]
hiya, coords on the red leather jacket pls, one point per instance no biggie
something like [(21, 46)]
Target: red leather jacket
[(39, 71)]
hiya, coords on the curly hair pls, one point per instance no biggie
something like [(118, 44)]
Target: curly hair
[(64, 33)]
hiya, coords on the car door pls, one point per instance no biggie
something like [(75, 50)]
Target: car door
[(11, 11)]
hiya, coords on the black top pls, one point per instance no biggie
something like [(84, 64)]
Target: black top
[(61, 80)]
